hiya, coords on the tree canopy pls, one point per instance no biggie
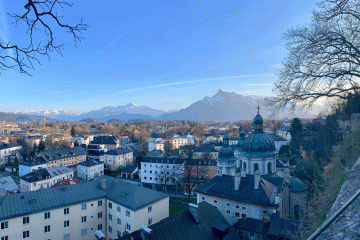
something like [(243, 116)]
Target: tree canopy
[(324, 57)]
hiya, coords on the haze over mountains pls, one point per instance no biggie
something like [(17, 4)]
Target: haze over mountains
[(223, 106)]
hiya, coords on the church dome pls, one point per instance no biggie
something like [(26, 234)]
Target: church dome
[(258, 142), (226, 152)]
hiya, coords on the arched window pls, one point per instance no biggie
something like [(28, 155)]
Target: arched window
[(244, 165), (296, 212), (256, 167), (269, 168)]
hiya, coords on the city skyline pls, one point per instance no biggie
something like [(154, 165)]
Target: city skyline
[(165, 55)]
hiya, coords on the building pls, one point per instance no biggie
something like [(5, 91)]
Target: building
[(205, 151), (96, 151), (34, 140), (8, 186), (199, 222), (44, 178), (201, 169), (66, 182), (130, 172), (106, 206), (161, 173), (226, 158), (119, 157), (176, 142), (64, 157), (6, 150), (30, 165), (90, 169), (256, 190), (156, 145), (109, 142)]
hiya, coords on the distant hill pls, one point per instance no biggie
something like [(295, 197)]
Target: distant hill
[(64, 115), (13, 117)]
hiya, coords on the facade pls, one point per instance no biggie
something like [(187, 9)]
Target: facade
[(30, 165), (176, 141), (256, 190), (161, 172), (202, 169), (278, 141), (90, 169), (96, 152), (118, 157), (44, 178), (109, 142), (64, 157), (78, 211), (156, 145), (6, 150), (34, 140)]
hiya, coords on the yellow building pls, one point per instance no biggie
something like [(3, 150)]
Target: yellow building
[(64, 157)]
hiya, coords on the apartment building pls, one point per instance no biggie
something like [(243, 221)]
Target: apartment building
[(44, 178), (90, 169), (6, 150), (118, 157), (107, 207), (64, 157), (30, 165)]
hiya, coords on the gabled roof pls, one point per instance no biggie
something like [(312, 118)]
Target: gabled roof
[(7, 183), (66, 182), (129, 195), (296, 185), (129, 169), (55, 171), (277, 138), (62, 153), (205, 148), (182, 226), (110, 140), (34, 162), (6, 146), (37, 175), (119, 151), (223, 187), (91, 162)]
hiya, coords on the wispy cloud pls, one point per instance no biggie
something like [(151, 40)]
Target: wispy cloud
[(260, 84), (192, 81), (4, 33), (111, 43), (278, 66)]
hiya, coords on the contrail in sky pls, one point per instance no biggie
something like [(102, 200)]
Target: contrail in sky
[(111, 43)]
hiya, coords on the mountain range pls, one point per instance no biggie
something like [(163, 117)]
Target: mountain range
[(223, 106)]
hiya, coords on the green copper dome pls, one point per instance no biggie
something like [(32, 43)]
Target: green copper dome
[(226, 152), (258, 142)]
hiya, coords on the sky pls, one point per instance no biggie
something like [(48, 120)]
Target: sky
[(163, 54)]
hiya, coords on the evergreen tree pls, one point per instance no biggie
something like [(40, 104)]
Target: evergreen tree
[(72, 132), (76, 144), (296, 127), (41, 146)]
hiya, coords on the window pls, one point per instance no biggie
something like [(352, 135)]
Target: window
[(228, 204), (5, 238), (83, 219), (237, 214), (150, 209), (83, 206), (215, 201), (243, 208), (110, 217), (110, 205), (83, 232), (127, 213), (251, 234), (228, 211), (243, 215), (26, 234), (296, 212), (66, 211), (119, 221), (26, 220), (264, 211), (237, 206), (128, 227), (66, 224), (118, 208), (99, 203), (47, 228), (110, 229), (100, 227), (100, 215), (203, 198), (150, 221), (47, 215), (67, 236)]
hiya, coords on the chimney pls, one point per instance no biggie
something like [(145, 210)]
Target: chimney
[(145, 232), (103, 184), (257, 179), (194, 211), (243, 172), (237, 181)]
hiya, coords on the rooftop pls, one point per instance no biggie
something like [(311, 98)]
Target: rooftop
[(205, 148), (90, 163), (169, 160), (34, 162), (62, 153), (119, 151), (7, 184)]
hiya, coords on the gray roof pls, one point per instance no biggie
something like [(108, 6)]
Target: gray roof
[(182, 226), (129, 169), (223, 187), (296, 185), (277, 138), (110, 140), (10, 145), (37, 175), (55, 171), (129, 195), (7, 183), (62, 153), (90, 163), (205, 148), (34, 162), (119, 151)]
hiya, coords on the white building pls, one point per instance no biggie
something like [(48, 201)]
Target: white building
[(90, 169), (6, 150), (160, 172), (118, 157), (44, 178), (81, 211), (31, 165), (156, 145)]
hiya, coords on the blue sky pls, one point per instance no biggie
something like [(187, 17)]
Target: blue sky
[(163, 54)]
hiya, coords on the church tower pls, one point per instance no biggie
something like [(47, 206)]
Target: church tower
[(226, 158)]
